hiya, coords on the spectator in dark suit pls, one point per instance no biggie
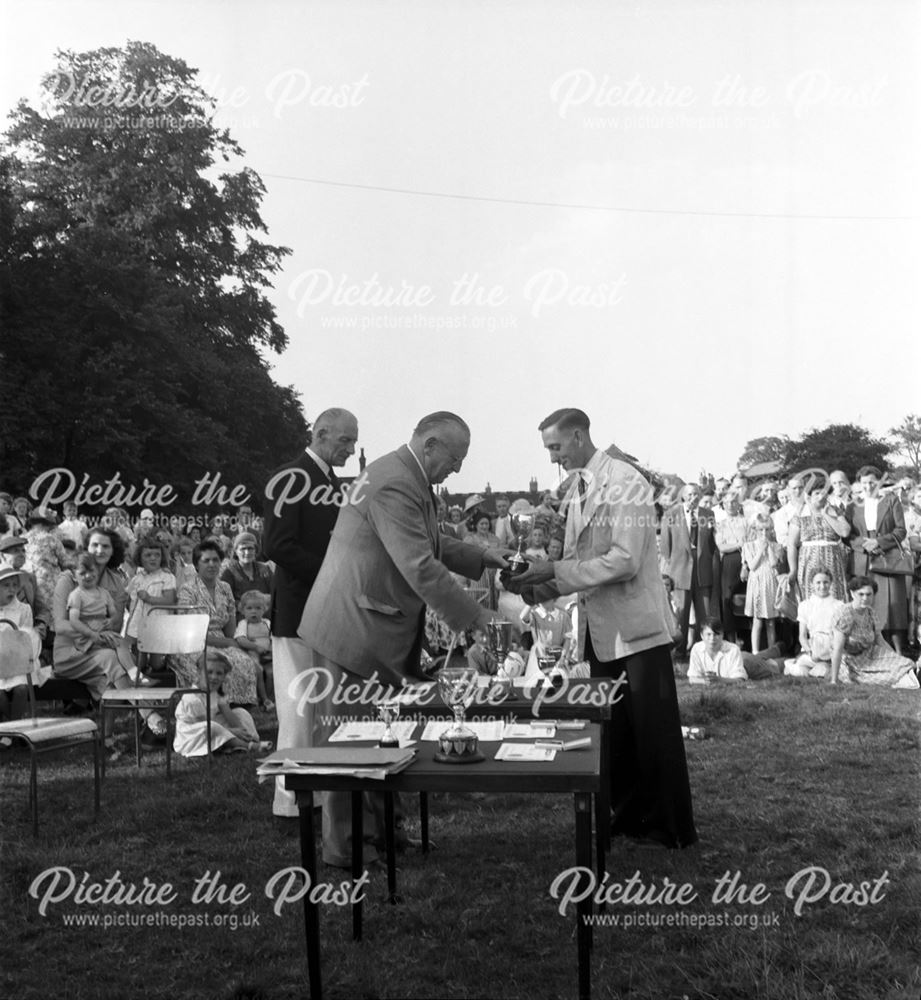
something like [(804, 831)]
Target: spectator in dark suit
[(688, 549), (300, 514)]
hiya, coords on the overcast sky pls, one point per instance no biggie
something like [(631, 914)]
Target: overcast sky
[(697, 221)]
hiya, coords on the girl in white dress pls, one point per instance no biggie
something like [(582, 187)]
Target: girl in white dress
[(232, 729), (815, 616)]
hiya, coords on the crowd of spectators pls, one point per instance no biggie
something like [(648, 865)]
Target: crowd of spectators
[(83, 588), (807, 577)]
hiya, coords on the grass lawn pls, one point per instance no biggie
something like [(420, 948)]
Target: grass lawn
[(803, 788)]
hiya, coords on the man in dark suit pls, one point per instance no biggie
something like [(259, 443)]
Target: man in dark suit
[(301, 509), (387, 561), (688, 548)]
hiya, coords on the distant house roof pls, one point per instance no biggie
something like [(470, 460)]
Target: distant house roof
[(761, 469)]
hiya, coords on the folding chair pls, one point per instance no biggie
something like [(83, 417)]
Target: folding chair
[(181, 629), (41, 734)]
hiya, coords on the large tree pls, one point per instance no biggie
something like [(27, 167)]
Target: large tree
[(132, 283), (837, 446), (906, 442), (763, 449)]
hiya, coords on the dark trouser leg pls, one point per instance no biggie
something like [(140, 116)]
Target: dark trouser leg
[(650, 789)]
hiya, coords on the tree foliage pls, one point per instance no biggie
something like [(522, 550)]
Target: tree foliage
[(837, 446), (132, 283), (906, 442), (763, 449)]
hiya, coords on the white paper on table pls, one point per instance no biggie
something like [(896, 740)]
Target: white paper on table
[(529, 731), (489, 731), (524, 751), (357, 730)]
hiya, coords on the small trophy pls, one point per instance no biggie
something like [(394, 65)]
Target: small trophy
[(389, 711), (499, 637), (522, 523), (458, 743)]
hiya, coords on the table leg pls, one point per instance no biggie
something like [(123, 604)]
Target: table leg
[(605, 795), (311, 909), (424, 820), (358, 858), (390, 847), (583, 804), (602, 836)]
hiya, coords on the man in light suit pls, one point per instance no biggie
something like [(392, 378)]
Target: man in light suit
[(688, 549), (300, 514), (386, 562), (610, 558)]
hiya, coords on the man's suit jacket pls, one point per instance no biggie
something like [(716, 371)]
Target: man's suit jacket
[(675, 548), (386, 561), (296, 539), (610, 558)]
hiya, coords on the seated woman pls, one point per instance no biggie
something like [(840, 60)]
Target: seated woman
[(859, 647), (815, 616), (245, 685), (105, 660), (244, 573), (232, 729)]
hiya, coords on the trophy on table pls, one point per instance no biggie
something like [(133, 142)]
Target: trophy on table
[(522, 523), (458, 743), (499, 637), (388, 710)]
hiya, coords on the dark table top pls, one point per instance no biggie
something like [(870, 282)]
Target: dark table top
[(570, 771)]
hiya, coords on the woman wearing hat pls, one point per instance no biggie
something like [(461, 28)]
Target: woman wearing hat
[(243, 572), (45, 552)]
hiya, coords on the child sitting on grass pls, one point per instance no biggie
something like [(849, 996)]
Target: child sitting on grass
[(232, 729), (816, 616), (254, 634)]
